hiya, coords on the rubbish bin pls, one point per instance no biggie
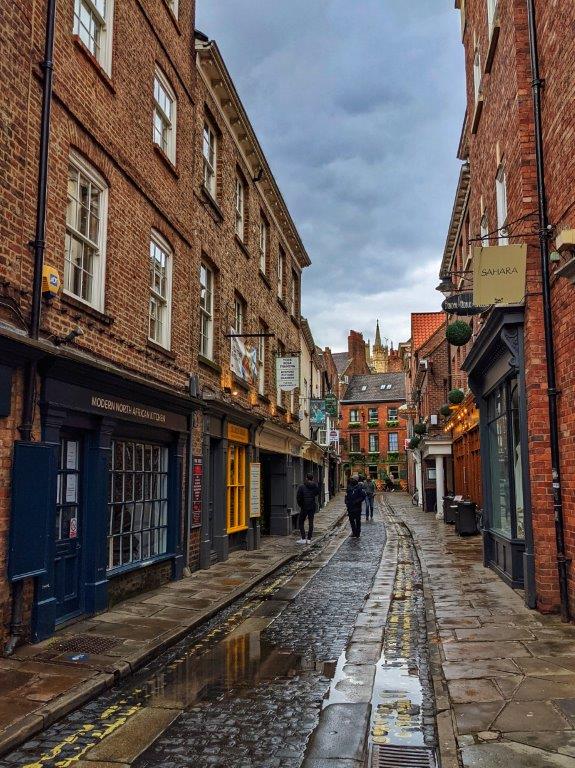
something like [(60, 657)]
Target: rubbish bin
[(466, 520), (449, 509)]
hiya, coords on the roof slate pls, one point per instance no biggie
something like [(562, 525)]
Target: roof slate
[(423, 326), (341, 360), (373, 392)]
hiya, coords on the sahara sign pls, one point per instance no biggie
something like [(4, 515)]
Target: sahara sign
[(499, 274)]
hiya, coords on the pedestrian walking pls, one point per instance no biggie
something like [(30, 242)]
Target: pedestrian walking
[(369, 488), (354, 498), (308, 501)]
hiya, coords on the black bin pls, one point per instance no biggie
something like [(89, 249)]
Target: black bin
[(466, 520), (449, 510)]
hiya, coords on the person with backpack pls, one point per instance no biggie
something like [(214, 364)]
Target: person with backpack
[(369, 488), (354, 499), (307, 498)]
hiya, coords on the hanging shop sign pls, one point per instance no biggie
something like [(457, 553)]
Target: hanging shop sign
[(287, 373), (499, 274), (197, 478), (461, 304), (255, 489), (244, 361), (237, 434), (331, 405), (317, 412), (334, 436)]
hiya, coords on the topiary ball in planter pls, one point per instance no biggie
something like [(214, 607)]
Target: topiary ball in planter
[(456, 396), (420, 429), (414, 442), (458, 333), (445, 410)]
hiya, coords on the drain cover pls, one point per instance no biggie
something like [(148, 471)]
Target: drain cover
[(399, 756), (90, 644)]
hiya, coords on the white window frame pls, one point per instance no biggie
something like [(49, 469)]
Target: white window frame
[(281, 270), (167, 139), (294, 302), (173, 6), (101, 50), (240, 207), (352, 418), (491, 14), (370, 414), (354, 438), (206, 311), (80, 165), (263, 243), (373, 437), (477, 74), (210, 158), (262, 361), (391, 435), (484, 229), (501, 197), (239, 314), (279, 392), (158, 241)]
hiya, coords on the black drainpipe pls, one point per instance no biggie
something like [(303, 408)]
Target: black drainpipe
[(544, 233), (47, 66)]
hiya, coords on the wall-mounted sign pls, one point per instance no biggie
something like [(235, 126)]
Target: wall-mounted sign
[(333, 436), (317, 413), (499, 274), (197, 478), (461, 304), (255, 489), (238, 434), (244, 361), (331, 405), (287, 373)]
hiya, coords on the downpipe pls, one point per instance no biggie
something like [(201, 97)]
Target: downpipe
[(544, 234), (28, 406)]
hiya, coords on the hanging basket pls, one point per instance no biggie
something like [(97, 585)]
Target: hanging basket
[(420, 429), (445, 410), (456, 396), (458, 333), (414, 442)]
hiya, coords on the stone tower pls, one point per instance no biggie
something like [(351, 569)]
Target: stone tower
[(379, 354)]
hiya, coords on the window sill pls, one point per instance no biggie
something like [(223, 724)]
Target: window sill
[(205, 361), (265, 279), (240, 383), (239, 529), (213, 208), (173, 17), (477, 114), (242, 246), (282, 304), (294, 320), (166, 160), (162, 350), (281, 409), (492, 45), (73, 302), (100, 71), (264, 399)]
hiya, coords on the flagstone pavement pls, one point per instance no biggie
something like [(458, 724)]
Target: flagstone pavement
[(504, 675), (42, 682)]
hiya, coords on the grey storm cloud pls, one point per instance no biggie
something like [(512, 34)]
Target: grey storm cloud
[(358, 105)]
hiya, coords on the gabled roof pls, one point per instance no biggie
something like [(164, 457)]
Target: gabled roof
[(423, 326), (341, 360), (376, 388)]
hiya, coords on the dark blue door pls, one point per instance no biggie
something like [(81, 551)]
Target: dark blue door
[(67, 565)]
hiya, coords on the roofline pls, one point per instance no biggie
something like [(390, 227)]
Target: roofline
[(457, 215), (207, 51), (307, 335), (372, 400)]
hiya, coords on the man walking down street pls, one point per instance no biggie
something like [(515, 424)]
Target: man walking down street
[(369, 488), (308, 501), (354, 498)]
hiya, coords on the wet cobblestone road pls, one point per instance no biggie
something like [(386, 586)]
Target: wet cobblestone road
[(247, 688)]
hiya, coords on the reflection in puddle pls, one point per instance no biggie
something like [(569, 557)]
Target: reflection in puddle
[(396, 702)]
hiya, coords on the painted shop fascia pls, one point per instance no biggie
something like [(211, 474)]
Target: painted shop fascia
[(102, 486), (496, 370)]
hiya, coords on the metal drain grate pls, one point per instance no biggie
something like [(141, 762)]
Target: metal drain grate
[(90, 644), (399, 756)]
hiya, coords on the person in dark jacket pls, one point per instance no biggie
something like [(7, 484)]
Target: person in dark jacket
[(308, 501), (354, 499)]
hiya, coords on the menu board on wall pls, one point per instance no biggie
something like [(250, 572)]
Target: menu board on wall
[(255, 489), (197, 478)]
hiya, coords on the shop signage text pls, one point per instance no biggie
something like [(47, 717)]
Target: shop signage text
[(461, 304), (238, 434), (499, 274), (334, 436), (287, 373), (127, 409), (255, 489), (317, 412), (197, 477), (331, 405)]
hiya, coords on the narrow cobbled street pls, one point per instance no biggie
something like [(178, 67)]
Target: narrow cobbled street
[(247, 689)]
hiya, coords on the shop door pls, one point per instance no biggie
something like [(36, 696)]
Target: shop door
[(213, 490), (67, 565)]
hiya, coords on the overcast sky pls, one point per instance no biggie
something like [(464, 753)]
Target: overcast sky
[(358, 105)]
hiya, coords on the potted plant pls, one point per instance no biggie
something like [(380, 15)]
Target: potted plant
[(392, 423), (458, 333), (420, 429), (456, 396), (414, 442), (445, 410)]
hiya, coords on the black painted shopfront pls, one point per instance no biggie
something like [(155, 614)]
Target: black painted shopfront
[(496, 370)]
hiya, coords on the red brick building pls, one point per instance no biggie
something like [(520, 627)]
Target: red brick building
[(372, 434), (507, 364), (170, 236), (354, 362)]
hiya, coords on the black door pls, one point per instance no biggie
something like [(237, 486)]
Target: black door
[(67, 565), (215, 453)]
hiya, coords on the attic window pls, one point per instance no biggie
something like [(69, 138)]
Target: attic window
[(385, 386), (364, 387)]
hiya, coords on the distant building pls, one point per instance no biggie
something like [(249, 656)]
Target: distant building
[(382, 358)]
